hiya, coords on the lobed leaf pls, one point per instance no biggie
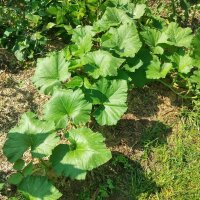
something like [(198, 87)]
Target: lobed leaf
[(30, 133), (50, 72), (156, 71), (184, 63), (180, 37), (86, 151), (114, 105), (196, 49), (124, 40), (82, 37), (153, 38), (111, 18), (38, 188), (101, 63), (67, 105)]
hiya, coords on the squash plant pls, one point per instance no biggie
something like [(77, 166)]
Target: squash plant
[(89, 81)]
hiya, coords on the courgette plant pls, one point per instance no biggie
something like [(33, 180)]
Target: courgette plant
[(89, 81)]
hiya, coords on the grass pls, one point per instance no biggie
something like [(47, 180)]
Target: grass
[(173, 166)]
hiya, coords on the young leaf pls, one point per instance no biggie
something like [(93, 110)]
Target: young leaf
[(101, 63), (51, 71), (111, 110), (180, 37), (82, 37), (86, 152), (31, 132), (124, 40), (65, 105), (156, 71), (38, 188)]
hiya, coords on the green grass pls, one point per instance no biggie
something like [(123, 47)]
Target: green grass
[(173, 165)]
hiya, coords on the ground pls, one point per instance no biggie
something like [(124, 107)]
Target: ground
[(155, 155)]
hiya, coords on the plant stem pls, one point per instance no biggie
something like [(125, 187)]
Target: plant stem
[(173, 90)]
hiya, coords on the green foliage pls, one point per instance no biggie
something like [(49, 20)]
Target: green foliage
[(101, 63), (31, 132), (26, 26), (51, 71), (114, 106), (68, 105), (85, 152), (38, 187), (124, 40), (88, 80)]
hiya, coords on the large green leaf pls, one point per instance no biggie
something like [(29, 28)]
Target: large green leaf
[(135, 10), (31, 132), (65, 105), (196, 49), (111, 17), (101, 63), (112, 108), (124, 40), (82, 37), (80, 32), (86, 151), (180, 37), (184, 63), (153, 38), (51, 71), (156, 71), (38, 188)]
